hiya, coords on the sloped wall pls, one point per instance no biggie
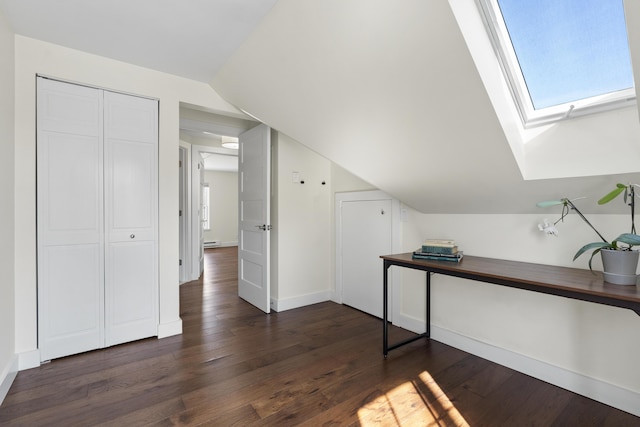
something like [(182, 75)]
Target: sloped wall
[(391, 92)]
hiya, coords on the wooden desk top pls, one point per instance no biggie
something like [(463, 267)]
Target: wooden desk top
[(562, 281)]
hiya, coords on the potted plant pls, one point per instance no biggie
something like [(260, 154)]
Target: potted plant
[(619, 259)]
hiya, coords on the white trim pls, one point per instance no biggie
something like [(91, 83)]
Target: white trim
[(184, 151), (219, 244), (607, 393), (29, 359), (8, 375), (170, 329), (394, 274), (299, 301)]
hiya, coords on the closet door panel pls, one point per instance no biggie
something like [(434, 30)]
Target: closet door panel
[(130, 314), (69, 188), (132, 198), (71, 307), (70, 237), (131, 188)]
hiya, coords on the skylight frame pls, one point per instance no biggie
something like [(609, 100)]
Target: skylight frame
[(505, 53)]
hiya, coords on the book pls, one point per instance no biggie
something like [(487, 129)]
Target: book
[(437, 257), (445, 243), (420, 251), (440, 249)]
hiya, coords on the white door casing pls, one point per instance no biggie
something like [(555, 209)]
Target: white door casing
[(182, 213), (201, 216), (254, 173)]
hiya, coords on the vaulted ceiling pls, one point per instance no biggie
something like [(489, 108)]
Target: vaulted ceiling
[(393, 91)]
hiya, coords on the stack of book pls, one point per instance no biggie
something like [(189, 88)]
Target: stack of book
[(438, 250)]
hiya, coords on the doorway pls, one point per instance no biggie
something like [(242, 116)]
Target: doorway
[(205, 158)]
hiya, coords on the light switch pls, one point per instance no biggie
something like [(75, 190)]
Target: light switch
[(295, 177)]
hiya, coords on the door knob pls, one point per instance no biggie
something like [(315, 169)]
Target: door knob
[(133, 236)]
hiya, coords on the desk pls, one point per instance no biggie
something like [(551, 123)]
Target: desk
[(561, 281)]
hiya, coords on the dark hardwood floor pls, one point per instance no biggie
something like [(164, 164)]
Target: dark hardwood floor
[(317, 365)]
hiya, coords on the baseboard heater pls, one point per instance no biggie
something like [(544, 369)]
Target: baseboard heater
[(212, 244)]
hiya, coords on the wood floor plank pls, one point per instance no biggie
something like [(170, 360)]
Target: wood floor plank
[(319, 365)]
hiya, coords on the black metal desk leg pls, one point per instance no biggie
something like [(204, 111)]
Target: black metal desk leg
[(428, 309), (385, 302), (385, 313)]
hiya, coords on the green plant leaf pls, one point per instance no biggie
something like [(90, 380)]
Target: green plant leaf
[(592, 255), (595, 245), (549, 203), (613, 194), (629, 238)]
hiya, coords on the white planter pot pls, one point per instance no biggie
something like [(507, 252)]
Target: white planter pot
[(620, 266)]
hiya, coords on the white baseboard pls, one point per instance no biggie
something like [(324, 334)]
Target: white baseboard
[(301, 301), (7, 376), (609, 394), (28, 359), (170, 329), (219, 244)]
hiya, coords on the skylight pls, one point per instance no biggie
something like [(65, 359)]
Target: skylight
[(562, 58)]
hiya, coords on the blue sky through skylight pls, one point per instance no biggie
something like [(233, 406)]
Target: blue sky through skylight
[(569, 49)]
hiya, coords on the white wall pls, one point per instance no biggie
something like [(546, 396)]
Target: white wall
[(223, 196), (301, 238), (8, 364), (34, 57), (598, 343)]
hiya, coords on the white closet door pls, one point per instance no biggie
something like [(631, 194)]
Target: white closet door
[(131, 188), (366, 234), (70, 219)]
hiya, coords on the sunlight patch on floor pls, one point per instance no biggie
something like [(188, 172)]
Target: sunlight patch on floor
[(420, 402)]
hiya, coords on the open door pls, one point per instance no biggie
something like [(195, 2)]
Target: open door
[(254, 173)]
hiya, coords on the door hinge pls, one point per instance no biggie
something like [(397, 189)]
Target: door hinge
[(179, 262), (180, 212), (179, 163)]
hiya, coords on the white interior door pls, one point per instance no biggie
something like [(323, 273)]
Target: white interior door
[(254, 172), (366, 233), (131, 189), (69, 219)]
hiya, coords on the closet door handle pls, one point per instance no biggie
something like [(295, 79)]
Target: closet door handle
[(133, 236)]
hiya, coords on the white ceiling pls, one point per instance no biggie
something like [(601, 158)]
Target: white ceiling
[(189, 38)]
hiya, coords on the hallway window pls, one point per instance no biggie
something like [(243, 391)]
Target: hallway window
[(206, 223)]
